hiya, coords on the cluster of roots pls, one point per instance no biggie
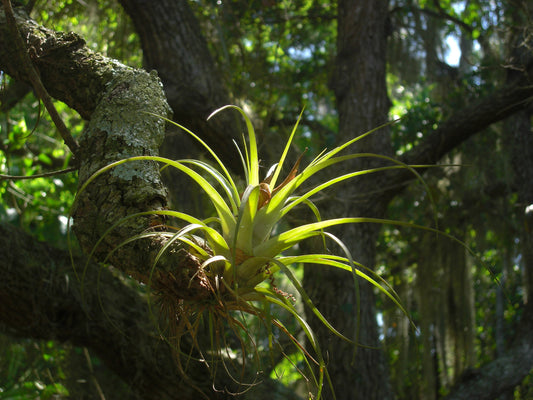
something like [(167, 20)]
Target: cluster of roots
[(205, 327)]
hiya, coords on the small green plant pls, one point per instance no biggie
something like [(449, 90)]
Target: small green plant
[(237, 254)]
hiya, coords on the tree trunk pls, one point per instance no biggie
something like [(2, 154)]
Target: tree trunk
[(173, 45), (521, 140), (360, 89)]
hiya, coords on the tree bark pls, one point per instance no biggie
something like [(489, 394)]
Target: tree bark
[(42, 296), (173, 45), (360, 89), (69, 70)]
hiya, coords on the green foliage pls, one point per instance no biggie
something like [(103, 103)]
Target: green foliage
[(31, 369), (31, 147), (287, 371), (280, 54), (103, 24), (26, 371), (420, 116)]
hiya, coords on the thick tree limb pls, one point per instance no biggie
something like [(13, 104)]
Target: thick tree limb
[(41, 297), (470, 120), (69, 70), (451, 133), (119, 128)]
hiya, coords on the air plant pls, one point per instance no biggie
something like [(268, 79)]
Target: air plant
[(240, 251)]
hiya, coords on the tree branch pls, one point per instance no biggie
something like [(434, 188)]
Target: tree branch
[(41, 297), (469, 121), (465, 123), (43, 175), (69, 70)]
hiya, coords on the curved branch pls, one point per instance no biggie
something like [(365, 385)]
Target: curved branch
[(465, 123), (69, 70), (469, 121), (40, 297)]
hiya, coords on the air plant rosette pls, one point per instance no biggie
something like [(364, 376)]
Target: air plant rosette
[(234, 257)]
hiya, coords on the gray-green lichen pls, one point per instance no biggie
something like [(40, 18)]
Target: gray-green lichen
[(124, 124), (125, 119), (126, 107)]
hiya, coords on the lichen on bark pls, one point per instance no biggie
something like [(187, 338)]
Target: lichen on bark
[(123, 125)]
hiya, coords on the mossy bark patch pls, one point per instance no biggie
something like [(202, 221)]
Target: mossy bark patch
[(124, 124)]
